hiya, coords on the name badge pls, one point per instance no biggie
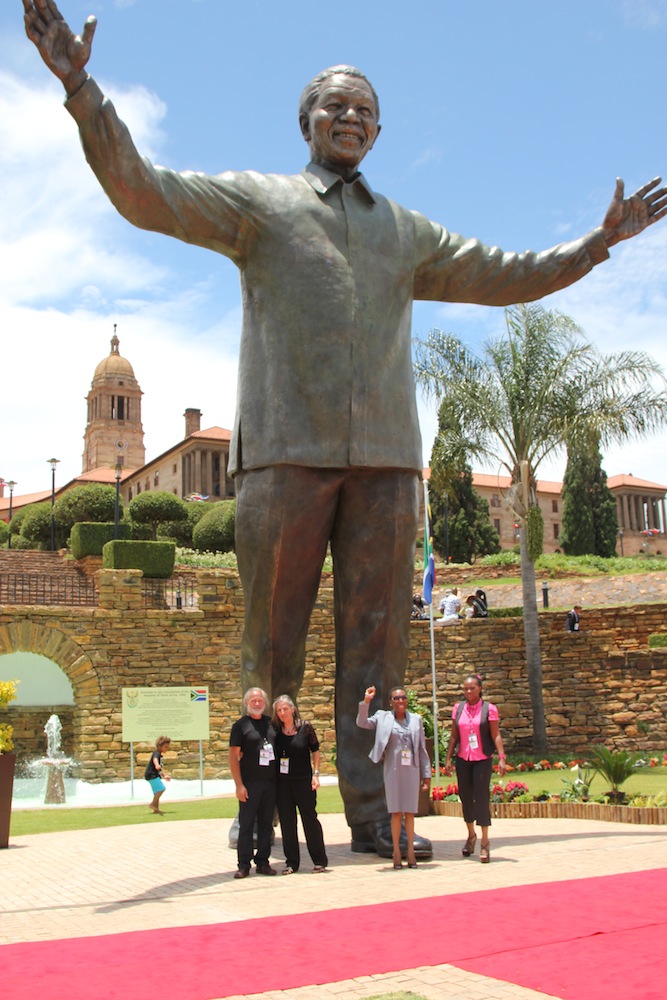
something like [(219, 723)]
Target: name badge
[(406, 758), (472, 741), (266, 755), (284, 765)]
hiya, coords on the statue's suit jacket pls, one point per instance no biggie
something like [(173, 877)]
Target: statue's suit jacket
[(329, 271)]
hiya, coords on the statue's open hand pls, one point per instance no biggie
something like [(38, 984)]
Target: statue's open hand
[(628, 216), (65, 53)]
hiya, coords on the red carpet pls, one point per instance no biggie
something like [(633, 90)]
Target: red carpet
[(586, 939)]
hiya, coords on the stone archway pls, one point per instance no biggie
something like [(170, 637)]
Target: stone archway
[(34, 637)]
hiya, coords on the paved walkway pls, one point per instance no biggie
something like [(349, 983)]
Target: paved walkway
[(96, 882)]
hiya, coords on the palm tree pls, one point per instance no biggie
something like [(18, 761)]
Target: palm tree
[(532, 390)]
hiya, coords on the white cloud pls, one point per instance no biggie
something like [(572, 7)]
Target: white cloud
[(69, 270), (621, 305)]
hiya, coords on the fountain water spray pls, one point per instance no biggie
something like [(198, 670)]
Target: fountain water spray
[(55, 763)]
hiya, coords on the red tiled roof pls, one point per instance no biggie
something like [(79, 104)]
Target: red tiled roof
[(23, 501), (614, 482), (213, 434), (485, 480), (100, 475)]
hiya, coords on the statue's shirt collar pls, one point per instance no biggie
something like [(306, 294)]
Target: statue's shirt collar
[(322, 180)]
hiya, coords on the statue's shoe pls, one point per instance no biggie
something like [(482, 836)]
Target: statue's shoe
[(375, 838)]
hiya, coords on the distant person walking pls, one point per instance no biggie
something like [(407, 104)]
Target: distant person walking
[(572, 619), (155, 774)]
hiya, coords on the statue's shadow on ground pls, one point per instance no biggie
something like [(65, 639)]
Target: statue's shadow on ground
[(164, 893)]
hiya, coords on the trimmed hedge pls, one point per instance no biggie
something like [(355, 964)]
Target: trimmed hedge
[(156, 559), (88, 538), (506, 612), (657, 639)]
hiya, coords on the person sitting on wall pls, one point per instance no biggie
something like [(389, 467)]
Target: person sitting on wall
[(450, 606)]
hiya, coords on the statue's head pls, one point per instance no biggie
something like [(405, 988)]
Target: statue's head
[(339, 116)]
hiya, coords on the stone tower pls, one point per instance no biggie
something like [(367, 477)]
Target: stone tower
[(114, 433)]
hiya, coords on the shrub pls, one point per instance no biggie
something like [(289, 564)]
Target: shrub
[(156, 559), (215, 531), (18, 517), (157, 507), (3, 532), (7, 694), (88, 538), (94, 502), (616, 767), (181, 531), (657, 639), (416, 706), (36, 526), (506, 612)]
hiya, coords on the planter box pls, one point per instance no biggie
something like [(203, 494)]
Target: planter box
[(7, 765), (655, 816)]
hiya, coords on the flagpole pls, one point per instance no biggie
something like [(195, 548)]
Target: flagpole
[(429, 568)]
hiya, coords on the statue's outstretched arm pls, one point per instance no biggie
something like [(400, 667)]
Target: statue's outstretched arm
[(65, 53), (627, 217)]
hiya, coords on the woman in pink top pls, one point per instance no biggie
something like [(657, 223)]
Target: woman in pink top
[(475, 736)]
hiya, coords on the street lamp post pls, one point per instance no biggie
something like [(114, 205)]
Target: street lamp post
[(11, 485), (116, 518), (53, 462)]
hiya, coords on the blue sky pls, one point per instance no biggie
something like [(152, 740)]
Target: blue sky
[(504, 121)]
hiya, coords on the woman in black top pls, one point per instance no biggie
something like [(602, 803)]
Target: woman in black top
[(296, 741)]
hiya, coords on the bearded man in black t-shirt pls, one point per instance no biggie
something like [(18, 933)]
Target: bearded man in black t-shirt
[(252, 761)]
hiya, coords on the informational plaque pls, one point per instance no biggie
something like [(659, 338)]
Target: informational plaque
[(178, 712)]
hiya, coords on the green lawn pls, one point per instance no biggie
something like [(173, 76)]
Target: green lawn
[(73, 818), (647, 781)]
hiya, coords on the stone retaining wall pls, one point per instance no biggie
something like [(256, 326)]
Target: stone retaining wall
[(601, 686)]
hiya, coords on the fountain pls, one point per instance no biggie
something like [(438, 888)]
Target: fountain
[(55, 763)]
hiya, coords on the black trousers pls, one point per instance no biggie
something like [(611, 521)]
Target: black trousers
[(473, 777), (260, 805), (286, 517), (293, 794)]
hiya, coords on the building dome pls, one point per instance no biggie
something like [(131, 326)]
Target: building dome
[(114, 434), (114, 365)]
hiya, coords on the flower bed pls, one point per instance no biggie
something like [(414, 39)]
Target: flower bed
[(652, 815)]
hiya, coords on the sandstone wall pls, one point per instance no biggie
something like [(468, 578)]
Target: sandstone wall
[(600, 685)]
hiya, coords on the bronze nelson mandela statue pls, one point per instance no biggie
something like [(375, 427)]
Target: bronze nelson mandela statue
[(326, 446)]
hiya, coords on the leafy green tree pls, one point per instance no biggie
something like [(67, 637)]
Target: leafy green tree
[(215, 531), (461, 527), (577, 535), (181, 531), (36, 527), (18, 517), (157, 507), (3, 532), (92, 502), (605, 514), (530, 392), (590, 524)]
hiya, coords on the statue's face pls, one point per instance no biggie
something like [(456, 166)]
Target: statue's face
[(342, 125)]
